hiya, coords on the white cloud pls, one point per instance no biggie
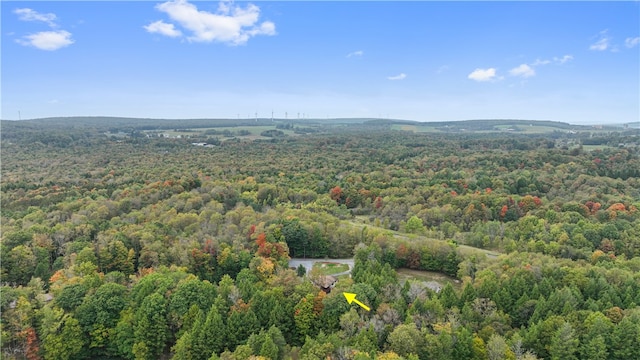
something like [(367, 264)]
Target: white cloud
[(163, 28), (539, 62), (44, 40), (631, 42), (26, 14), (602, 44), (47, 40), (555, 60), (483, 74), (231, 24), (355, 53), (563, 59), (400, 76), (523, 70)]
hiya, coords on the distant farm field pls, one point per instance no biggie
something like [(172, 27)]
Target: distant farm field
[(414, 128), (254, 131), (595, 147)]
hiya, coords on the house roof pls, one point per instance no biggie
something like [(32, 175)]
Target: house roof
[(326, 281)]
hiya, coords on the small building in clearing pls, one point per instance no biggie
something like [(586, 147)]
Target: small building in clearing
[(326, 283)]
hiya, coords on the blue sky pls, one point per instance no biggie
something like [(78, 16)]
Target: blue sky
[(577, 62)]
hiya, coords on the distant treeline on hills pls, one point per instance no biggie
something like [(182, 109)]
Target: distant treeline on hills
[(484, 124), (106, 122)]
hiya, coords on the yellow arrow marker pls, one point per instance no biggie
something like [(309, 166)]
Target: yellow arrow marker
[(351, 297)]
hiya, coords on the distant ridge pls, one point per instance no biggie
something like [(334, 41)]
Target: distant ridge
[(481, 122), (112, 123)]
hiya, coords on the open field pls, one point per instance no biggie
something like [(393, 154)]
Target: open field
[(415, 128), (532, 129), (428, 276), (253, 132), (596, 147), (359, 221), (330, 268), (309, 264)]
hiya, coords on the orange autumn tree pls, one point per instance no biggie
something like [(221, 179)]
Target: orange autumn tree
[(615, 209), (593, 206), (336, 194), (274, 251)]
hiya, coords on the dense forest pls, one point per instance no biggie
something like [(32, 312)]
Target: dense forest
[(119, 242)]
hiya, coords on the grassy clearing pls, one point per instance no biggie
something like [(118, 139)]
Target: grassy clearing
[(539, 129), (406, 127), (595, 147), (427, 276), (361, 221), (328, 268), (414, 128), (428, 129)]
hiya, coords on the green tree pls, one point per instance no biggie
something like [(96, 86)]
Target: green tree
[(349, 322), (183, 349), (366, 340), (242, 322), (269, 349), (463, 344), (301, 270), (12, 239), (497, 348), (99, 314), (296, 237), (564, 343), (191, 291), (209, 336), (66, 344), (595, 349), (414, 225), (405, 339), (116, 257), (71, 296), (305, 318), (625, 338), (124, 334), (317, 349), (151, 330), (87, 255), (539, 336), (281, 317), (448, 296), (596, 325), (479, 349), (20, 265), (278, 338)]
